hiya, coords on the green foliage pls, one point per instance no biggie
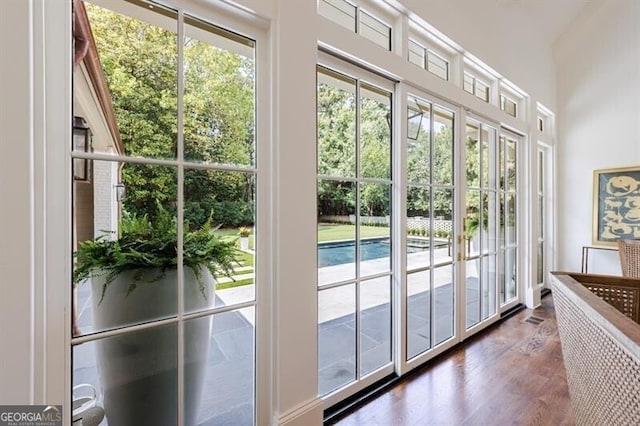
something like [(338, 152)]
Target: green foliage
[(140, 64), (145, 244)]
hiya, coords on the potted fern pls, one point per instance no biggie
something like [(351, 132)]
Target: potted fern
[(134, 281)]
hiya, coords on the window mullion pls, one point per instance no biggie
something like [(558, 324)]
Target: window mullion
[(180, 215)]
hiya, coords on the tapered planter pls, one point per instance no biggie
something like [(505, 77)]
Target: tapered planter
[(138, 370)]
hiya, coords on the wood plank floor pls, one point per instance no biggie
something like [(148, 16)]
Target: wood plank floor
[(511, 375)]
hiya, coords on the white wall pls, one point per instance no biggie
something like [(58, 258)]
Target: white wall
[(598, 111), (501, 36)]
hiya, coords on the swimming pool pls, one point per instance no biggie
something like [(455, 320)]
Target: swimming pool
[(338, 253)]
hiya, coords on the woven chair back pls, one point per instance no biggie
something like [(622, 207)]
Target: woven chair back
[(629, 257)]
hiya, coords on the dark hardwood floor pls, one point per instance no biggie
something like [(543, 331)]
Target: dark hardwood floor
[(512, 374)]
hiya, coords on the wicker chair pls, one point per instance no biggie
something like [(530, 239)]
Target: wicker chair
[(629, 257), (598, 322)]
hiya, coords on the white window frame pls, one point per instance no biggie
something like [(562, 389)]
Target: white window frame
[(361, 74), (56, 83)]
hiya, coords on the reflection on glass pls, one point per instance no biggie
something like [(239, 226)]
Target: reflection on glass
[(221, 213), (375, 133), (419, 142), (336, 338), (511, 165), (443, 306), (488, 286), (134, 375), (375, 211), (125, 248), (375, 324), (510, 272), (442, 146), (219, 95), (489, 209), (473, 292), (418, 313), (336, 231), (510, 219), (139, 61), (474, 222), (219, 363), (540, 265), (472, 166), (336, 129)]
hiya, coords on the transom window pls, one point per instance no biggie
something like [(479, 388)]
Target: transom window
[(428, 59), (356, 19), (476, 87)]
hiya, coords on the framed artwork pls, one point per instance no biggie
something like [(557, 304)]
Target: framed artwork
[(616, 205)]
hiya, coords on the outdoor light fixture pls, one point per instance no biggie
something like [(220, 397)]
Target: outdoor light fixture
[(81, 143), (121, 191)]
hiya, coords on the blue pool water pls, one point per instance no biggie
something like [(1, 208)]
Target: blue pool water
[(330, 254)]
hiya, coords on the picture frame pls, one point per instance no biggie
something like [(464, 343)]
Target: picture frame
[(616, 205)]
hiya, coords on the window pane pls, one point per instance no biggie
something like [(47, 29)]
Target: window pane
[(373, 29), (418, 313), (437, 65), (220, 368), (375, 133), (216, 205), (443, 306), (134, 375), (416, 54), (474, 222), (336, 124), (419, 143), (340, 12), (511, 165), (375, 324), (488, 285), (510, 219), (219, 99), (127, 209), (336, 338), (508, 106), (442, 146), (473, 156), (482, 90), (375, 244), (467, 83), (418, 227), (540, 265), (336, 231), (442, 232), (510, 272), (472, 269), (139, 60)]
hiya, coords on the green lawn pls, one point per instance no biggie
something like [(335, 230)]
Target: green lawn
[(348, 232)]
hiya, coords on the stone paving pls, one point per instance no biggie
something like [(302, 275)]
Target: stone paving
[(228, 395)]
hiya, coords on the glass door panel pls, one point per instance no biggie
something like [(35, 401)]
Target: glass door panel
[(481, 222), (430, 191), (354, 230)]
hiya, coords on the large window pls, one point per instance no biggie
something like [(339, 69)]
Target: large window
[(354, 228), (164, 290)]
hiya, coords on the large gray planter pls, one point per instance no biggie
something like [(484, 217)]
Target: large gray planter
[(138, 370)]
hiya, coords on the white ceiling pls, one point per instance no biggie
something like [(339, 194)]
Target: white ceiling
[(551, 17)]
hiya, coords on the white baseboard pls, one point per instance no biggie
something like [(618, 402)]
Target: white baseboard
[(308, 413)]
